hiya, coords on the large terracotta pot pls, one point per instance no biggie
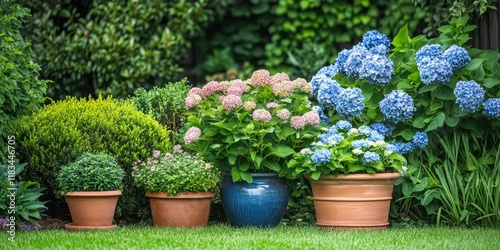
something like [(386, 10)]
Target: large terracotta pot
[(354, 201), (184, 210), (261, 203), (92, 209)]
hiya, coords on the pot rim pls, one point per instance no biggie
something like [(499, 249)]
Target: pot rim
[(262, 174), (182, 195), (361, 176), (94, 193)]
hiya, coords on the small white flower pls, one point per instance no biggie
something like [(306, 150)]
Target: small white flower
[(371, 144), (352, 131), (379, 143), (405, 168), (357, 151), (305, 151), (387, 152)]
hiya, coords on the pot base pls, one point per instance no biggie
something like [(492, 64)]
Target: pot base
[(73, 227)]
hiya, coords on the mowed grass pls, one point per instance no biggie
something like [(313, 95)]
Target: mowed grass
[(281, 237)]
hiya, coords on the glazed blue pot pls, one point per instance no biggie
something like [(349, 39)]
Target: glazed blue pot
[(261, 203)]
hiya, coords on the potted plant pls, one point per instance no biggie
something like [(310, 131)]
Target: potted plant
[(352, 173), (90, 186), (250, 129), (180, 187)]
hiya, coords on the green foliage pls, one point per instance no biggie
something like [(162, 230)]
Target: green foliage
[(467, 179), (237, 139), (166, 105), (300, 209), (307, 60), (22, 89), (64, 130), (90, 172), (114, 46), (176, 173), (27, 204), (439, 12), (222, 66)]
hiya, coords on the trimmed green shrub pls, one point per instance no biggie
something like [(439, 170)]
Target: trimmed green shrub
[(114, 46), (21, 88), (166, 105), (64, 130), (91, 172)]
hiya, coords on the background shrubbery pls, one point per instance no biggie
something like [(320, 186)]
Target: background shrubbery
[(64, 130)]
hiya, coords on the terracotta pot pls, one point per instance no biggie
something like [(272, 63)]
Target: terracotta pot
[(92, 209), (354, 201), (185, 210)]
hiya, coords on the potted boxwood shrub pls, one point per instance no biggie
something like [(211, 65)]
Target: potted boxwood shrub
[(180, 187), (91, 187)]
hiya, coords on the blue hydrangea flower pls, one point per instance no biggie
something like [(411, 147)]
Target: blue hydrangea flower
[(337, 138), (379, 50), (341, 59), (457, 56), (364, 130), (374, 38), (370, 157), (343, 125), (321, 156), (429, 51), (383, 129), (434, 70), (332, 130), (397, 106), (377, 69), (355, 61), (316, 82), (329, 71), (328, 91), (403, 147), (469, 95), (322, 116), (420, 140), (360, 144), (350, 103), (375, 136), (492, 108)]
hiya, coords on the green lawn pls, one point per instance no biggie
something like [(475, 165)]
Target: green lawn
[(282, 237)]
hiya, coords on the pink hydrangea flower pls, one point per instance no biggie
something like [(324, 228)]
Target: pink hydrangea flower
[(311, 118), (234, 90), (210, 88), (283, 88), (283, 114), (260, 77), (240, 84), (272, 105), (279, 77), (152, 168), (134, 168), (231, 102), (249, 105), (261, 115), (297, 122), (303, 85), (192, 135), (225, 85), (194, 91), (193, 100)]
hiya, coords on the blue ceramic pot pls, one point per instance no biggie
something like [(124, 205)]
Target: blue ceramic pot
[(261, 203)]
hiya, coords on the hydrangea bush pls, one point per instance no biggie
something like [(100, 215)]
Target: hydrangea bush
[(344, 149), (252, 125), (420, 86)]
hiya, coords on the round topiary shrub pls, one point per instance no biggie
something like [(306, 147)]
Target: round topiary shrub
[(62, 131)]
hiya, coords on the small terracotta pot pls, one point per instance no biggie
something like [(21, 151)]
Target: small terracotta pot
[(185, 210), (353, 201), (92, 209)]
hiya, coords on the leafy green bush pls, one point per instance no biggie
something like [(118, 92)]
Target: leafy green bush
[(64, 130), (114, 46), (165, 104), (91, 172), (28, 206), (19, 80)]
